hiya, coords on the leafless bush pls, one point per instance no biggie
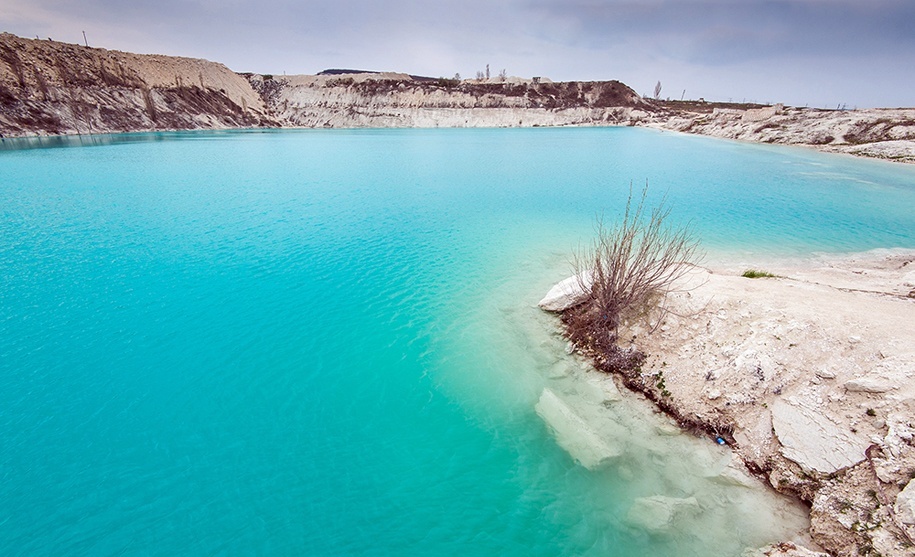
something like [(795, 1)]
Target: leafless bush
[(633, 265)]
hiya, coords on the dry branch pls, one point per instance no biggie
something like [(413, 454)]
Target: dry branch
[(633, 265)]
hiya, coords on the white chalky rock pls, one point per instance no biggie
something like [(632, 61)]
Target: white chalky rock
[(600, 390), (735, 473), (658, 514), (567, 293), (572, 433), (813, 440), (874, 385), (905, 504)]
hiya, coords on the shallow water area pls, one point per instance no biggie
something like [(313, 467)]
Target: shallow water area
[(327, 342)]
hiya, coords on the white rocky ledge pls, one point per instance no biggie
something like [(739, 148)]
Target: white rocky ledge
[(814, 441)]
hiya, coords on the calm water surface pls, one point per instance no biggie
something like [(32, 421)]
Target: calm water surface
[(325, 342)]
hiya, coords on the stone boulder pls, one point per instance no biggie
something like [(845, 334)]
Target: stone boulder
[(870, 384), (567, 293)]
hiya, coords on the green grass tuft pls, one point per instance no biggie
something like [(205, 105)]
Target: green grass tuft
[(754, 273)]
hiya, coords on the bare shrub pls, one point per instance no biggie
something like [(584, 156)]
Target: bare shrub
[(631, 265)]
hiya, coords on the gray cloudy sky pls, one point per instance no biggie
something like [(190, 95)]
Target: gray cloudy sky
[(816, 52)]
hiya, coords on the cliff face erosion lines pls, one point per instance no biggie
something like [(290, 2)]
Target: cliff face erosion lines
[(48, 87)]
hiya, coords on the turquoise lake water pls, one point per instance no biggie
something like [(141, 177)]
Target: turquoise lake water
[(325, 342)]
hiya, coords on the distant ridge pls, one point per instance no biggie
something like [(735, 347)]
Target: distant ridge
[(343, 71)]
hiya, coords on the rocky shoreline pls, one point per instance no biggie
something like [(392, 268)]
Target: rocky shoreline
[(808, 377), (883, 133), (52, 88)]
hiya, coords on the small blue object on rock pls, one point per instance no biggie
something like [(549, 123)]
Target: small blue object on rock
[(720, 440)]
